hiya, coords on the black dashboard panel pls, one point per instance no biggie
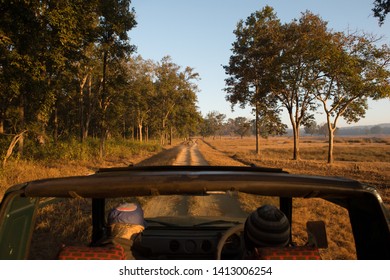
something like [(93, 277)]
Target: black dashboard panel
[(185, 243)]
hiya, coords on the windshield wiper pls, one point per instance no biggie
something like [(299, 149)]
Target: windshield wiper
[(217, 222)]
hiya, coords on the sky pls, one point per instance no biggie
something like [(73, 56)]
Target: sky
[(199, 34)]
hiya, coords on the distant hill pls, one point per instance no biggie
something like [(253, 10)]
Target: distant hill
[(383, 128), (358, 130)]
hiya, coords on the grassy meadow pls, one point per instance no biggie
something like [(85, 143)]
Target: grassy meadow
[(364, 159)]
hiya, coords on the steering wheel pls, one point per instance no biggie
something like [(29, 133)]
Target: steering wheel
[(222, 241)]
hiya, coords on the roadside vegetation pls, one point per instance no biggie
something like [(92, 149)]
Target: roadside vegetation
[(70, 158)]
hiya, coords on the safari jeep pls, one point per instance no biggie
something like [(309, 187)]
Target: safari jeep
[(189, 236)]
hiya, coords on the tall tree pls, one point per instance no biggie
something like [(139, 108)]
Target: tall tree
[(174, 89), (354, 71), (25, 61), (251, 68), (186, 115), (140, 91), (44, 38), (116, 20), (302, 44)]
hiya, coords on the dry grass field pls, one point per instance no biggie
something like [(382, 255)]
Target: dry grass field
[(363, 159)]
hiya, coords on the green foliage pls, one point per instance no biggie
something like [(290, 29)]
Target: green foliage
[(212, 124), (301, 66), (66, 74), (381, 9), (63, 150)]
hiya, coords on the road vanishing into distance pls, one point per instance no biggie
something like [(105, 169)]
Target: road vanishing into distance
[(177, 205)]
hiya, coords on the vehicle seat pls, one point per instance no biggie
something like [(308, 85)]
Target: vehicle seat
[(108, 252), (287, 253)]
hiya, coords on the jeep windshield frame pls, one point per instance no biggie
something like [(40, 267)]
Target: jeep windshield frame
[(369, 216)]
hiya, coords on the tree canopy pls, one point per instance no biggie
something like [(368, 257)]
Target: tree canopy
[(302, 66), (68, 70), (250, 70), (381, 9)]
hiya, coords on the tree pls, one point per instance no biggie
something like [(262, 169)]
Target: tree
[(377, 129), (323, 129), (311, 127), (22, 63), (353, 71), (139, 93), (242, 126), (381, 9), (36, 49), (213, 124), (302, 45), (116, 19), (175, 94), (65, 68), (185, 115), (251, 67), (271, 125)]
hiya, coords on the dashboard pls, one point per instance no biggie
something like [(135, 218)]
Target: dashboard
[(186, 242)]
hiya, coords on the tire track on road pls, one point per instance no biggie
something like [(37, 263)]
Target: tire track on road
[(208, 205)]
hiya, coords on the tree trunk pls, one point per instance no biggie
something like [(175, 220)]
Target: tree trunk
[(331, 130), (1, 126), (81, 107), (103, 105), (295, 126), (170, 136), (55, 122), (330, 150), (147, 134), (296, 155), (162, 139), (22, 127), (257, 130), (88, 109), (14, 141), (2, 119), (140, 132)]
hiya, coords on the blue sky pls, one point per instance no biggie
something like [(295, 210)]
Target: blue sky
[(199, 34)]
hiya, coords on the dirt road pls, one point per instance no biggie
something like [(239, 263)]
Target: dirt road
[(190, 155), (210, 205)]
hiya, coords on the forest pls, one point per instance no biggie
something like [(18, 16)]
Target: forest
[(69, 72)]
